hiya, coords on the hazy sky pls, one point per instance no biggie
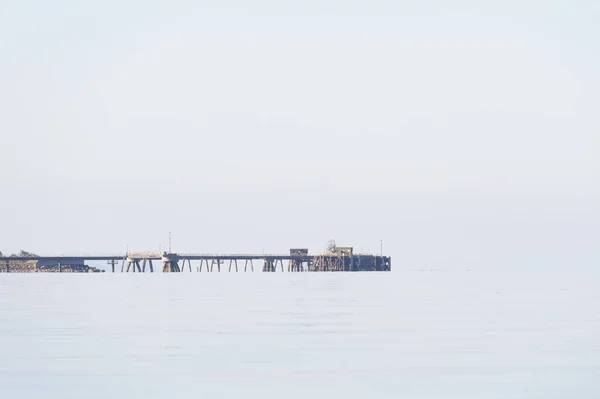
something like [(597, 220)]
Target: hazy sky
[(462, 133)]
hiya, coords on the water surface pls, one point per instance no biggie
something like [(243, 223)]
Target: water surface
[(442, 334)]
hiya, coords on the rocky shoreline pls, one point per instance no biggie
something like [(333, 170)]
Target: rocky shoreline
[(31, 267), (18, 266)]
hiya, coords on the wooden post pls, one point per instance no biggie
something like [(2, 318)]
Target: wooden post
[(59, 267)]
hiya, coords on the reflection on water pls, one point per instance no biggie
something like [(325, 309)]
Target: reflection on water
[(352, 335)]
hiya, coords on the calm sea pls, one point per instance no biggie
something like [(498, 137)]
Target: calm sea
[(444, 334)]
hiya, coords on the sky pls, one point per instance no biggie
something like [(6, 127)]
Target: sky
[(462, 134)]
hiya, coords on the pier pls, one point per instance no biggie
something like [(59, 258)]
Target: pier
[(334, 259)]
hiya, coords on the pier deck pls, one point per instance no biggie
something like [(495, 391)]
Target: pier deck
[(298, 260)]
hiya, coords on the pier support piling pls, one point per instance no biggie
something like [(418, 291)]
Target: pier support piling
[(268, 266), (246, 265), (218, 262), (189, 262), (234, 262), (202, 263), (295, 265), (170, 264)]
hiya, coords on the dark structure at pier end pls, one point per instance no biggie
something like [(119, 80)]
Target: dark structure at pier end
[(335, 259)]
